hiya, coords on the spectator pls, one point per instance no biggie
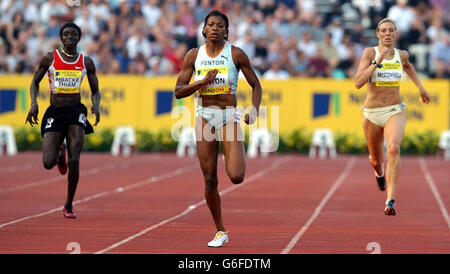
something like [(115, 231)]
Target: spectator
[(318, 66), (176, 57), (307, 45), (151, 12), (138, 43), (347, 66), (436, 30), (99, 10), (275, 72), (202, 10), (337, 31), (30, 11), (18, 25), (416, 34), (267, 30), (3, 57), (53, 28), (52, 8), (88, 24), (329, 51), (345, 47), (301, 64), (440, 57), (247, 44), (404, 16)]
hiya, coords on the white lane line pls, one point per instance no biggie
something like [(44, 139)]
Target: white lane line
[(318, 209), (153, 179), (18, 168), (190, 208), (83, 173), (55, 179), (434, 190)]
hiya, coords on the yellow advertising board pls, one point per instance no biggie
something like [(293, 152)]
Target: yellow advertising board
[(148, 103), (316, 103)]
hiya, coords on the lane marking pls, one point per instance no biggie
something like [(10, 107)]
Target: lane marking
[(322, 203), (434, 190), (150, 180), (83, 173), (190, 208)]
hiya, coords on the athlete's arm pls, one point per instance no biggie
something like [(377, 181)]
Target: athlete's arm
[(182, 87), (45, 63), (365, 68), (93, 84), (243, 63), (409, 69)]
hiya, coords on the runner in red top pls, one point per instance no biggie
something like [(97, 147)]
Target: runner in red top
[(66, 116)]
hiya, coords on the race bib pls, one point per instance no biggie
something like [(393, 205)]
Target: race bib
[(220, 83), (67, 81), (388, 75)]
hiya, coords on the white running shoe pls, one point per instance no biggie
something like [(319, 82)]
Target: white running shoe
[(220, 238)]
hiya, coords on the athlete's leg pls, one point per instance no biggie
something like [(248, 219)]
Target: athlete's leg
[(207, 151), (75, 140), (374, 138), (234, 151), (393, 132), (50, 145)]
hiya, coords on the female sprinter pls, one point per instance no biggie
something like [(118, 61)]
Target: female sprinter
[(216, 66), (381, 67), (66, 115)]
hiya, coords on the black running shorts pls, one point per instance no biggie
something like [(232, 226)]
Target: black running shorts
[(59, 118)]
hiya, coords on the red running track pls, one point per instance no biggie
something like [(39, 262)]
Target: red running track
[(154, 203)]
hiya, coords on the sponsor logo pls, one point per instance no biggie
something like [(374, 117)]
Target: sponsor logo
[(325, 103)]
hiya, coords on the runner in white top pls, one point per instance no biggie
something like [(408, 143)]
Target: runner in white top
[(384, 118), (216, 67)]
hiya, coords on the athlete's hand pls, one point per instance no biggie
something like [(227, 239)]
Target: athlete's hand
[(32, 116), (384, 52), (209, 77), (96, 111), (250, 117), (424, 95)]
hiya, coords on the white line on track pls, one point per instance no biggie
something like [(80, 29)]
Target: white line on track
[(18, 168), (150, 180), (83, 173), (190, 208), (434, 190), (318, 209)]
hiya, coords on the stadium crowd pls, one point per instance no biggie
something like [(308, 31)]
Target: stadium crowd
[(283, 38)]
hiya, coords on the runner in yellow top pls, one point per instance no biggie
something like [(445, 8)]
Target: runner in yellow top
[(215, 67), (381, 67)]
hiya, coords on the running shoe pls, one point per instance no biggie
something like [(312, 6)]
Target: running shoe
[(390, 208), (381, 181), (69, 214), (220, 238), (62, 164)]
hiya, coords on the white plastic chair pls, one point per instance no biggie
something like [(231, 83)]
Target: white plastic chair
[(186, 141), (124, 141), (322, 144), (7, 140)]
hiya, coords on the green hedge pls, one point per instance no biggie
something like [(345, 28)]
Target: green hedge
[(297, 141)]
